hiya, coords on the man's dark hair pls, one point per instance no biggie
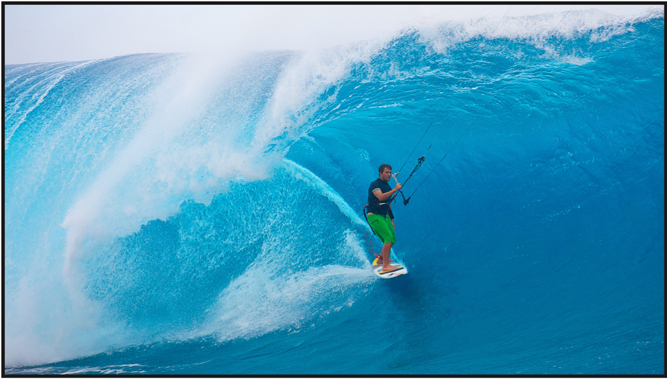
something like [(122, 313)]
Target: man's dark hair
[(383, 166)]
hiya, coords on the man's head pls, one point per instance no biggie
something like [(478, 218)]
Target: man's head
[(385, 172)]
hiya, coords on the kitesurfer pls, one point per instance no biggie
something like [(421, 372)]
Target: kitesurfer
[(380, 215)]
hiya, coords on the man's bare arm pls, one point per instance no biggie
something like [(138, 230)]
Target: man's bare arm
[(386, 195)]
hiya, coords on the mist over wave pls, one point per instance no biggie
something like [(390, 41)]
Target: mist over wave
[(158, 203)]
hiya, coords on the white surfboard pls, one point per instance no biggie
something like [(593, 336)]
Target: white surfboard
[(399, 270)]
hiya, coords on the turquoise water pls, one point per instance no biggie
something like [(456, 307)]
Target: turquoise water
[(168, 214)]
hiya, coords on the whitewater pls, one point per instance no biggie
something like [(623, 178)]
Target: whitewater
[(202, 213)]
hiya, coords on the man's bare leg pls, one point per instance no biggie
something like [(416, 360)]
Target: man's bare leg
[(380, 259), (386, 250)]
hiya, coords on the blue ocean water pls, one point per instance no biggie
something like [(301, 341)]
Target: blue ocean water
[(173, 214)]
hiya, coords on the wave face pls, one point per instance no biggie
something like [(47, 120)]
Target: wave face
[(173, 214)]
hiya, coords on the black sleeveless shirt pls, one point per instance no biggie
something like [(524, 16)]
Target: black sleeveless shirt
[(374, 205)]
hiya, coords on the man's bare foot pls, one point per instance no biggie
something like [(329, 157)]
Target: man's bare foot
[(390, 268)]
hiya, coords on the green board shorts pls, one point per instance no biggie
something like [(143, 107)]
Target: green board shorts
[(383, 227)]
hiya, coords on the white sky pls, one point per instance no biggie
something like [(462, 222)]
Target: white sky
[(47, 33)]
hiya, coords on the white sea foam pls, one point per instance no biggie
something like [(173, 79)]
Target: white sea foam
[(263, 299), (36, 93), (160, 166), (269, 297), (323, 188), (536, 25)]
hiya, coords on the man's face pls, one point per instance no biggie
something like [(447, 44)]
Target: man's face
[(386, 175)]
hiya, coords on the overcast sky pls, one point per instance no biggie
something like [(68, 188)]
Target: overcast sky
[(48, 33)]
